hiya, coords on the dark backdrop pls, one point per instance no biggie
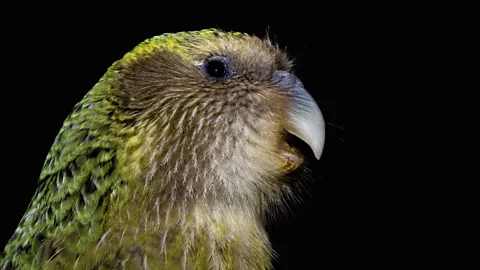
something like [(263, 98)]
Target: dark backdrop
[(51, 61)]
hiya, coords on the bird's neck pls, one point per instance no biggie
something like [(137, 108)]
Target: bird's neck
[(198, 236)]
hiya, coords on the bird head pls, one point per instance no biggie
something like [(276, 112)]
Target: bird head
[(211, 112)]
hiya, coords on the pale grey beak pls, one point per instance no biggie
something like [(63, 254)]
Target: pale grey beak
[(305, 120)]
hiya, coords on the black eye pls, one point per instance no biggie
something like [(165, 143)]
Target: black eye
[(216, 68)]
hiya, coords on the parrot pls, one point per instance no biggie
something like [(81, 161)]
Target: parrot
[(173, 159)]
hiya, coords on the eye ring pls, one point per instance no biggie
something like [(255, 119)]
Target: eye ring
[(217, 68)]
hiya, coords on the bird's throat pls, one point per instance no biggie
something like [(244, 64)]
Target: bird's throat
[(205, 238)]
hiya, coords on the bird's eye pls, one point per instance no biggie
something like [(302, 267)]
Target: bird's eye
[(216, 68)]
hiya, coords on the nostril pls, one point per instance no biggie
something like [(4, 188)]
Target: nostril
[(284, 79)]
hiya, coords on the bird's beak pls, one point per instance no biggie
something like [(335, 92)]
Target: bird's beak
[(304, 118)]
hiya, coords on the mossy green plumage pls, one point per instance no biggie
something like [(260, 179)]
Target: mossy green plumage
[(117, 190)]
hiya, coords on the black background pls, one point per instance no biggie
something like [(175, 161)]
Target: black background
[(52, 60)]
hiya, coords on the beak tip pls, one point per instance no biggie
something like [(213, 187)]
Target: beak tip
[(318, 148)]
